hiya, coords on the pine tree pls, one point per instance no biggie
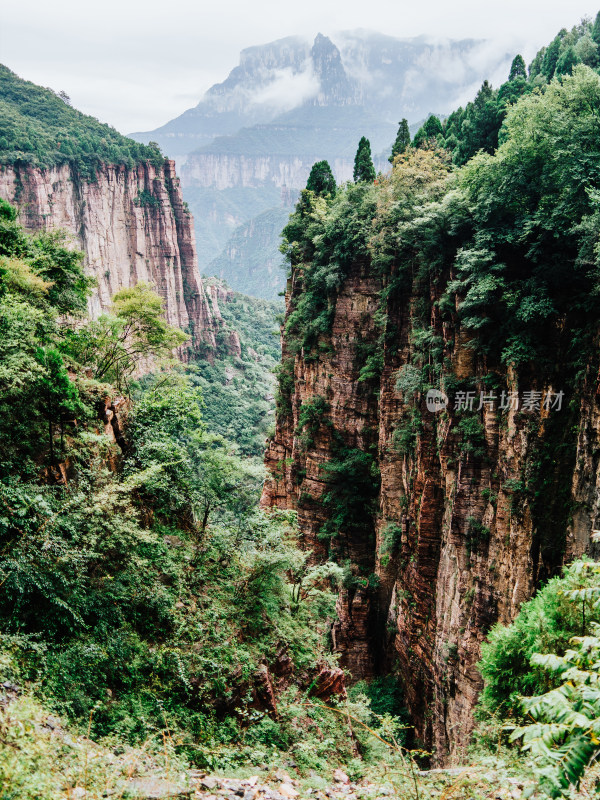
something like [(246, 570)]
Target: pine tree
[(551, 55), (321, 180), (517, 69), (363, 163), (596, 29), (566, 62), (429, 130), (402, 140)]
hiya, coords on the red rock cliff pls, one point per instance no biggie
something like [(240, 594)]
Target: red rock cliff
[(132, 225), (455, 541)]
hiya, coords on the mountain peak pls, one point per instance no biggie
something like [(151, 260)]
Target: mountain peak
[(336, 88)]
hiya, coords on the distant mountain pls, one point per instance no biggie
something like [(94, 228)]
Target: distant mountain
[(251, 258), (254, 137)]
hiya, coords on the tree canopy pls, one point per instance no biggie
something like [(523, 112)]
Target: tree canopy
[(402, 140), (38, 127), (364, 171), (321, 180)]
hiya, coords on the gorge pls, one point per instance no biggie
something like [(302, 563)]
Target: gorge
[(412, 609)]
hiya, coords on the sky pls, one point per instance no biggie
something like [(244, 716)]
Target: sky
[(138, 63)]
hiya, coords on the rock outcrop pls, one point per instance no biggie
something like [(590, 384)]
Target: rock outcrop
[(466, 522), (132, 225)]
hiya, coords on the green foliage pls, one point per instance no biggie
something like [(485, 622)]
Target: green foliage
[(114, 345), (391, 538), (406, 435), (140, 590), (427, 134), (188, 473), (40, 129), (363, 163), (402, 141), (238, 392), (564, 737), (321, 180), (40, 282), (563, 608), (353, 480), (511, 277), (472, 435), (326, 237), (310, 419), (479, 125), (284, 373), (146, 199), (517, 69)]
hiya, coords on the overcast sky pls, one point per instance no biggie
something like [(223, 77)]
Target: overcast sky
[(138, 63)]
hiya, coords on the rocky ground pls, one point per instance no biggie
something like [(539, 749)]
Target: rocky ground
[(41, 759), (467, 782)]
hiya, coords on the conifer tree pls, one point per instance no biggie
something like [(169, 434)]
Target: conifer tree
[(363, 163), (566, 62), (551, 55), (429, 130), (517, 69), (402, 140), (321, 180), (596, 29)]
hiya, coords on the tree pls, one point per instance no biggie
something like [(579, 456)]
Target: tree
[(181, 468), (551, 55), (59, 398), (566, 61), (429, 131), (517, 69), (363, 163), (402, 140), (596, 29), (114, 344), (321, 180), (536, 66), (62, 267), (481, 124)]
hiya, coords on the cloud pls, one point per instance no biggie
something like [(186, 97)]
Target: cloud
[(150, 54), (287, 88)]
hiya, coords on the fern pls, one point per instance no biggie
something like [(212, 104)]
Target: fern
[(565, 734)]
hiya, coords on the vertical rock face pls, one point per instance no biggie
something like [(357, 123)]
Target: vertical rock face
[(460, 534), (132, 225)]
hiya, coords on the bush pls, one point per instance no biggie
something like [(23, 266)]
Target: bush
[(545, 624)]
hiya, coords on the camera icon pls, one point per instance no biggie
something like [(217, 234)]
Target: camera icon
[(436, 401)]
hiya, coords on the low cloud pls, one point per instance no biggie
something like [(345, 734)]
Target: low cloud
[(287, 88)]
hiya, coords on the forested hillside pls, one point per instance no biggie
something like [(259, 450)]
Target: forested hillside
[(39, 127), (413, 612), (141, 588)]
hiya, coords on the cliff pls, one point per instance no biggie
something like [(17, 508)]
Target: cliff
[(453, 542), (132, 225), (233, 170), (476, 291)]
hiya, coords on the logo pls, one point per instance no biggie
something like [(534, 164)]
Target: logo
[(436, 400)]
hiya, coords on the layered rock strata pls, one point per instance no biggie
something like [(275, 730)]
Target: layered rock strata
[(132, 225), (467, 520)]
